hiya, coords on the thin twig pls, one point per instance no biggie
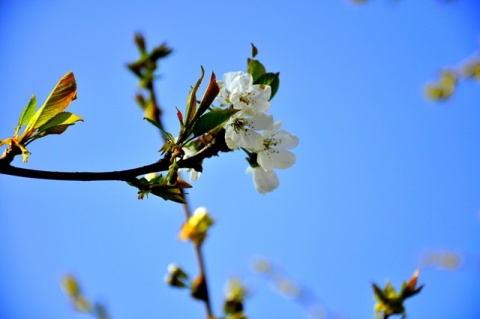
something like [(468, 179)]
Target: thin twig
[(157, 111)]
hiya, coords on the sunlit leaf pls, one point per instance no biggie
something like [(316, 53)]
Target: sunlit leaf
[(28, 111), (63, 118), (64, 92)]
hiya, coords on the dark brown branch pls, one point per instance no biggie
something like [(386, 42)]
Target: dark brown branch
[(125, 175), (128, 175)]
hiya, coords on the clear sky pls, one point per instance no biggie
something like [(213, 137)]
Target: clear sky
[(383, 176)]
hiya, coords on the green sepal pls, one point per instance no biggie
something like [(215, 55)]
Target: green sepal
[(211, 120), (272, 79), (28, 111)]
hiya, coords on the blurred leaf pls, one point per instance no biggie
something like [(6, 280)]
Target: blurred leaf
[(211, 120), (64, 92)]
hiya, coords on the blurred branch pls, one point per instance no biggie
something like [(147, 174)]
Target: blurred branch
[(144, 68)]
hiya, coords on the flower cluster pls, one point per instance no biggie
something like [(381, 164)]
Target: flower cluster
[(254, 131)]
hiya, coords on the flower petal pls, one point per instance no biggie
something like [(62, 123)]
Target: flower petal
[(264, 181), (276, 158)]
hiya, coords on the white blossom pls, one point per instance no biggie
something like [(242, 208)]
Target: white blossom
[(275, 144), (242, 131), (237, 89), (264, 181)]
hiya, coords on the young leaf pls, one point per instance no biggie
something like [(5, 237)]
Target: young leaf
[(168, 135), (64, 92), (192, 100), (211, 120), (63, 118), (209, 96), (28, 112)]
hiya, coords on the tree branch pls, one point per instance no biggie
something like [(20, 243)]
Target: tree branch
[(128, 175)]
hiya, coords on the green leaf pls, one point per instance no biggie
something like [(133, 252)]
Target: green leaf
[(272, 79), (63, 118), (192, 100), (64, 92), (211, 120), (59, 129), (256, 69), (28, 111)]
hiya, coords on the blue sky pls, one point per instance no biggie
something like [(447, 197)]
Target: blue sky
[(382, 177)]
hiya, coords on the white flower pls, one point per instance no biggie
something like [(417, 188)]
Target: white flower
[(242, 131), (275, 145), (264, 181), (238, 89)]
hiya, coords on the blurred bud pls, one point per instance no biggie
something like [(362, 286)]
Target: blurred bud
[(471, 69), (176, 277), (140, 42), (287, 287), (448, 260), (390, 302), (444, 88), (199, 289), (160, 52), (235, 290), (195, 229), (82, 304), (237, 315), (101, 311), (262, 266), (140, 99), (235, 294), (70, 286), (410, 288)]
